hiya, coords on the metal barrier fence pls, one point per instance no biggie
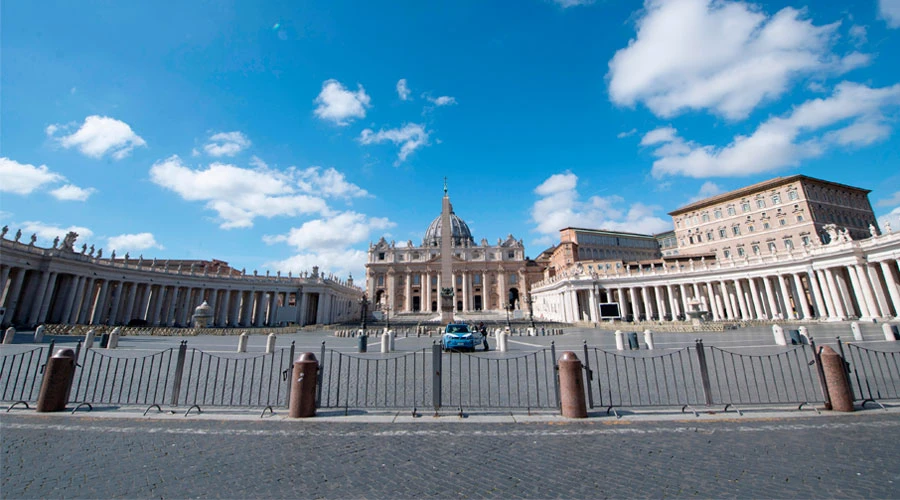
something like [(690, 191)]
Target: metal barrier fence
[(874, 374), (21, 372), (374, 381)]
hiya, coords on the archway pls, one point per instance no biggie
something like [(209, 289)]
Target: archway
[(514, 298)]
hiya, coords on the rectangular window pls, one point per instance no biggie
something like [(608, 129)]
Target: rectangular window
[(731, 211), (760, 203), (740, 251), (416, 279), (765, 225), (805, 240), (799, 218), (727, 253), (705, 217), (789, 244), (722, 233), (792, 195), (755, 249), (782, 222), (477, 279), (745, 206), (380, 255), (699, 238), (380, 279), (771, 246), (511, 255), (512, 279), (709, 236), (736, 230), (718, 213), (776, 198), (750, 228)]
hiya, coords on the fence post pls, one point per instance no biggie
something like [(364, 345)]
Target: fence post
[(817, 359), (704, 372), (320, 376), (179, 370), (436, 360), (589, 373), (555, 371)]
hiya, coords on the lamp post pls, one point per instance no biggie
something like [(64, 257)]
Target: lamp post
[(387, 314), (364, 307), (531, 310), (508, 325)]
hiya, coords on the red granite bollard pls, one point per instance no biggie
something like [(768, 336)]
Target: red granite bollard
[(836, 380), (571, 386), (303, 386), (58, 376)]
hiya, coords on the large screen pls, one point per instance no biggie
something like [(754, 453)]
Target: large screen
[(610, 310)]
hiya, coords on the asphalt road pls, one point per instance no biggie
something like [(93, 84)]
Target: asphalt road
[(65, 456)]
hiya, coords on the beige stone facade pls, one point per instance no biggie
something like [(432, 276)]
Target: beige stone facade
[(784, 213)]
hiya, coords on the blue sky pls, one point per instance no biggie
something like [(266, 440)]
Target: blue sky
[(282, 135)]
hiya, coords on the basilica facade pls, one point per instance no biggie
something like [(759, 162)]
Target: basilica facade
[(406, 278)]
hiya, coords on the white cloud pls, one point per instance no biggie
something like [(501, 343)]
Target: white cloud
[(132, 242), (622, 135), (71, 192), (724, 56), (411, 137), (51, 129), (47, 232), (858, 34), (338, 232), (99, 135), (402, 90), (889, 10), (851, 116), (708, 189), (238, 195), (572, 3), (226, 144), (342, 262), (339, 105), (22, 178), (560, 207), (328, 182), (892, 218), (443, 100), (891, 201)]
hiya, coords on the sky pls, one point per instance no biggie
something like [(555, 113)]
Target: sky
[(284, 135)]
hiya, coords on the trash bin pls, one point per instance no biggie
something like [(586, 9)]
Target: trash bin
[(363, 343), (104, 340), (795, 337), (633, 341)]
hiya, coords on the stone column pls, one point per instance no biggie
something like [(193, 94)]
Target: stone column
[(635, 306), (592, 303), (12, 298), (880, 298), (247, 304), (4, 276), (862, 272), (115, 314), (864, 311), (407, 298), (427, 295), (893, 288), (646, 308), (742, 300), (623, 302), (835, 295), (213, 302), (757, 303), (130, 302), (99, 308), (38, 297), (673, 304), (173, 305), (260, 309), (501, 289), (87, 301), (684, 300), (786, 299), (818, 303), (660, 302), (159, 300), (723, 288), (711, 301), (801, 294), (773, 308), (69, 311)]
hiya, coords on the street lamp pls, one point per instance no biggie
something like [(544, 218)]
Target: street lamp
[(387, 314), (364, 307), (508, 325), (531, 310)]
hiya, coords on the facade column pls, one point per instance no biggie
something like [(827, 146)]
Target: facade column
[(742, 300), (261, 309), (673, 304), (864, 311), (711, 301), (893, 288), (501, 289), (407, 298), (875, 281), (69, 312), (129, 302), (818, 304), (788, 310), (173, 305), (635, 307), (87, 301), (645, 300), (157, 305), (100, 306), (773, 308), (835, 295), (592, 304), (213, 302), (39, 297), (4, 275), (723, 288), (12, 298), (862, 272), (760, 313), (801, 294), (623, 303), (660, 303), (115, 315), (684, 300), (427, 295)]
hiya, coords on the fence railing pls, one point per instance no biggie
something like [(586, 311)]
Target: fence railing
[(693, 377)]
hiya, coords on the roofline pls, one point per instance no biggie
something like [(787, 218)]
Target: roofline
[(777, 181), (608, 231)]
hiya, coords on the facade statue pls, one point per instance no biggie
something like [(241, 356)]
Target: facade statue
[(126, 256), (99, 253), (872, 230), (887, 227), (112, 256), (91, 251), (69, 241), (18, 234), (33, 239), (83, 248), (4, 231), (55, 241)]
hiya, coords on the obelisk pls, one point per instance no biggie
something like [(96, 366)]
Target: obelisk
[(447, 284)]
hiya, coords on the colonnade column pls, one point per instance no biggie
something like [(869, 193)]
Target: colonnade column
[(38, 302), (801, 294), (623, 302), (99, 307), (773, 308), (407, 297), (760, 313), (742, 300), (868, 296), (893, 288), (729, 311), (635, 306), (819, 303), (835, 294), (786, 298), (864, 311)]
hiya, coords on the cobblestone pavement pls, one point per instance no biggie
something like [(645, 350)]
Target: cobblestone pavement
[(65, 456)]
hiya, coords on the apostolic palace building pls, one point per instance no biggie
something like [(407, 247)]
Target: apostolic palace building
[(790, 248)]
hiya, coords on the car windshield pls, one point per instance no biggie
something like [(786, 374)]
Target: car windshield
[(457, 329)]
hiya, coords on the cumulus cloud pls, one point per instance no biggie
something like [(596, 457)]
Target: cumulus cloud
[(132, 242), (47, 232), (99, 136), (328, 182), (560, 206), (708, 189), (23, 178), (853, 116), (892, 218), (893, 200), (226, 144), (402, 90), (572, 3), (339, 105), (443, 100), (237, 195), (410, 138), (343, 263), (71, 192), (622, 135), (889, 10), (723, 56)]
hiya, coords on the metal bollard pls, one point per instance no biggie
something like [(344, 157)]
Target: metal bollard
[(620, 340), (836, 380), (113, 341), (9, 335), (571, 386), (39, 334), (889, 331), (303, 386), (242, 342), (89, 339), (778, 332), (385, 343), (362, 342), (58, 376), (270, 343), (648, 338), (502, 341), (857, 333)]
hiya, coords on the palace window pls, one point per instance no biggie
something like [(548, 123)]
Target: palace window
[(736, 230), (722, 233), (477, 279), (789, 244), (731, 211), (726, 253), (740, 251), (755, 249), (380, 255), (416, 279), (709, 236), (718, 213), (750, 228), (745, 206), (782, 222), (705, 217), (799, 218), (805, 240), (512, 279), (765, 225), (760, 203), (380, 280), (776, 198), (771, 246), (792, 195)]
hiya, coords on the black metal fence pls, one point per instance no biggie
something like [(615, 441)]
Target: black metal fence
[(694, 377)]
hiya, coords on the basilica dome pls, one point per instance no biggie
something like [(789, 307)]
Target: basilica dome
[(460, 232)]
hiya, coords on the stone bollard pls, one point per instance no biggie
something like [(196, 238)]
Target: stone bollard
[(391, 336), (648, 339), (39, 334), (270, 343), (857, 333), (385, 343), (571, 386), (113, 341), (58, 376), (9, 335), (89, 339), (778, 332), (502, 341), (303, 386), (888, 331), (242, 342), (804, 335), (620, 340), (836, 380)]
